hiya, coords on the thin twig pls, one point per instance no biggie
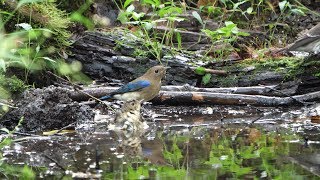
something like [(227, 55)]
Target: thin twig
[(76, 88), (48, 157), (60, 78), (255, 120), (63, 128)]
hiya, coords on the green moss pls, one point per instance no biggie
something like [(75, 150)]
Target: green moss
[(290, 66), (10, 86), (56, 20), (44, 15)]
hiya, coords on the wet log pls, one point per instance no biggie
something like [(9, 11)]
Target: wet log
[(196, 98), (217, 96), (254, 90)]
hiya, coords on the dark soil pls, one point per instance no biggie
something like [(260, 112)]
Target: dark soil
[(46, 109)]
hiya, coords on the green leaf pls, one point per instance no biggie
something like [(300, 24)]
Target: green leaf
[(298, 12), (37, 48), (2, 65), (210, 9), (196, 15), (230, 24), (5, 130), (137, 16), (200, 70), (206, 78), (243, 33), (169, 11), (49, 59), (130, 8), (123, 17), (22, 2), (282, 5), (235, 30), (155, 3), (78, 17), (173, 18), (126, 3), (236, 5), (178, 39), (6, 13), (147, 25), (25, 26), (249, 10)]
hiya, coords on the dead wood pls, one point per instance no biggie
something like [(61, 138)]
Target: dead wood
[(254, 90), (181, 95), (194, 98)]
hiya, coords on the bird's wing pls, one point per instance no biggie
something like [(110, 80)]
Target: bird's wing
[(132, 86)]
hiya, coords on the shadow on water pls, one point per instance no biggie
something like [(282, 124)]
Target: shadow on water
[(182, 143)]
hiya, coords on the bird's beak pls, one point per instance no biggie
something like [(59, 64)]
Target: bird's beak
[(168, 67)]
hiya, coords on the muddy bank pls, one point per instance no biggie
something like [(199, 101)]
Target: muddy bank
[(46, 109)]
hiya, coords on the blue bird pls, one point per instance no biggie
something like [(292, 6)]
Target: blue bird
[(144, 88)]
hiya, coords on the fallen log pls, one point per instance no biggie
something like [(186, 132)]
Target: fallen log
[(196, 98), (254, 90), (217, 98)]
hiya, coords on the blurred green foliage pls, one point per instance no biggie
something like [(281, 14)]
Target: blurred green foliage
[(33, 33)]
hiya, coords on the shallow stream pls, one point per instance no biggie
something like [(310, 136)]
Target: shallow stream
[(235, 142)]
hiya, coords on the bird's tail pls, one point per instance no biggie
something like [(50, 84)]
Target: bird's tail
[(105, 97)]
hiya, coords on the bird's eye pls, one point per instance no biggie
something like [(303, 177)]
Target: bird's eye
[(156, 71), (132, 103)]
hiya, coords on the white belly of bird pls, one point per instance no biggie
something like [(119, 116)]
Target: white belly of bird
[(127, 96)]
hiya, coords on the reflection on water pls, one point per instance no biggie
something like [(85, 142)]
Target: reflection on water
[(183, 143)]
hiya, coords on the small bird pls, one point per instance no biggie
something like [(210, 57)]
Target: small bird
[(309, 42), (143, 88), (128, 119), (130, 111)]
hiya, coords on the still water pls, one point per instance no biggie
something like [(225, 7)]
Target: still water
[(182, 143)]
